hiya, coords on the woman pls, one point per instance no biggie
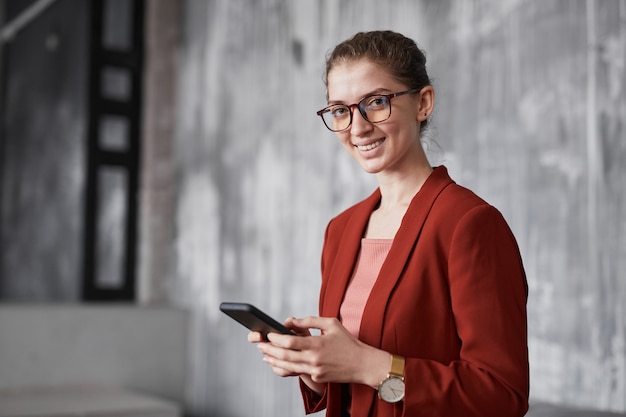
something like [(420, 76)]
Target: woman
[(423, 296)]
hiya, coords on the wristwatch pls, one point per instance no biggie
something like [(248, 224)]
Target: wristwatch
[(391, 389)]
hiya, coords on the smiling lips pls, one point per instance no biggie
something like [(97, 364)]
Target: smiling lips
[(370, 146)]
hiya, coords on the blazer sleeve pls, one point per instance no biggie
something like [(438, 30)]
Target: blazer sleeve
[(313, 402), (488, 294)]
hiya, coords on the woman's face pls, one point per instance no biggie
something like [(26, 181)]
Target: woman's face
[(385, 147)]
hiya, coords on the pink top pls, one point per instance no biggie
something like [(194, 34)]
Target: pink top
[(371, 257)]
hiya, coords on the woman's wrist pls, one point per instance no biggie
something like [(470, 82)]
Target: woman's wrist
[(375, 367)]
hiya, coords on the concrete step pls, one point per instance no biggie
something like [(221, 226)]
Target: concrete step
[(83, 401)]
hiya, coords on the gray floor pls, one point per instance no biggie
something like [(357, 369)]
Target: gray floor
[(549, 410)]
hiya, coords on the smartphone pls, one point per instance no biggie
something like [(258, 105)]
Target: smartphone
[(254, 319)]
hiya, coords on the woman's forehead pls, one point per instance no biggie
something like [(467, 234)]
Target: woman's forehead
[(354, 79)]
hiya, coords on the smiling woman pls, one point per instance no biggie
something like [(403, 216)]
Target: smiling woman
[(398, 120), (422, 308)]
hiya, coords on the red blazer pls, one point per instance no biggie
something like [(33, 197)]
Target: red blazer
[(450, 298)]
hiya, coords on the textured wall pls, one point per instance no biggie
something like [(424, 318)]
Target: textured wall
[(538, 104), (42, 147), (531, 115)]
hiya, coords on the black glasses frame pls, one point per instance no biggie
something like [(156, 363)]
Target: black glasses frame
[(361, 106)]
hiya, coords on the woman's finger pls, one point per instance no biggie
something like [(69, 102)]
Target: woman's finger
[(255, 337)]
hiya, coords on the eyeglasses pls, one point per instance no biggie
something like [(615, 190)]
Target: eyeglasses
[(374, 109)]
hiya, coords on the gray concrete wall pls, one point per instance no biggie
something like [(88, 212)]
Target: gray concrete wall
[(531, 106)]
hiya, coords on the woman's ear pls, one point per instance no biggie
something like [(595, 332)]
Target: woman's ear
[(426, 103)]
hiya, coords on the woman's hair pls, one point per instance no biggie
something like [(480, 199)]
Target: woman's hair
[(393, 52)]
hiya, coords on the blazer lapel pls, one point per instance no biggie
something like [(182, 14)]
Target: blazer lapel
[(374, 314)]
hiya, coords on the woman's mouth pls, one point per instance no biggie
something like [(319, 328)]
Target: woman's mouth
[(370, 146)]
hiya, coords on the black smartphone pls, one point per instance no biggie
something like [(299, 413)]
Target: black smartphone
[(254, 319)]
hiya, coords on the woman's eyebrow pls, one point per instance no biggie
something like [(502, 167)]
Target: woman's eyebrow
[(377, 91)]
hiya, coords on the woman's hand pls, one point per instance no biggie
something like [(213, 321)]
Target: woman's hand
[(333, 356), (257, 337)]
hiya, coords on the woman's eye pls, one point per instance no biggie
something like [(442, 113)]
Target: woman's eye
[(376, 102), (338, 112)]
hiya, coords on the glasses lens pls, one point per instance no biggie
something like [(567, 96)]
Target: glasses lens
[(337, 118), (375, 108)]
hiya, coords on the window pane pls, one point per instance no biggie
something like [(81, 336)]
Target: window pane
[(111, 224), (113, 133), (117, 24), (116, 83)]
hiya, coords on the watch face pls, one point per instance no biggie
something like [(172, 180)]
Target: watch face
[(391, 390)]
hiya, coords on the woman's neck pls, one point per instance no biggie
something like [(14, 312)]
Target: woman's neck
[(396, 195), (398, 189)]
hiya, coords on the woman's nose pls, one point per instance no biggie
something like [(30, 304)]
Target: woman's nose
[(360, 124)]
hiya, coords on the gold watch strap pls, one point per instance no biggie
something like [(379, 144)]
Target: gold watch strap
[(397, 366)]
